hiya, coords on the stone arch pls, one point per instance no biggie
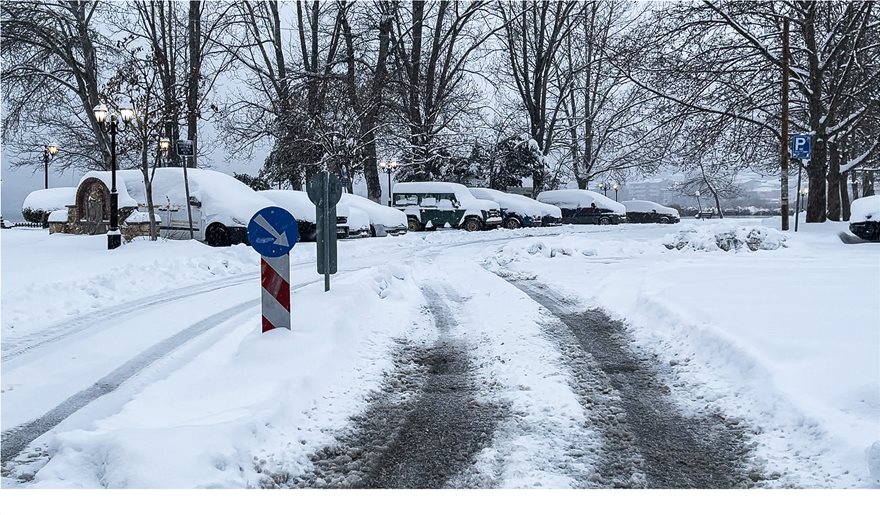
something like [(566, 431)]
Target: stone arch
[(93, 206)]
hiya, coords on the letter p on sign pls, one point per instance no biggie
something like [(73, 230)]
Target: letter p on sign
[(800, 145)]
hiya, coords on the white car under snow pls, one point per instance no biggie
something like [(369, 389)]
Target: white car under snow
[(519, 210), (382, 219), (301, 207), (864, 220)]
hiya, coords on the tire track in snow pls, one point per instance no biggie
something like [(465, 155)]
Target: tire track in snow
[(648, 442), (422, 429)]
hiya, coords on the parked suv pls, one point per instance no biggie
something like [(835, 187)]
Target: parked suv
[(429, 205), (585, 207)]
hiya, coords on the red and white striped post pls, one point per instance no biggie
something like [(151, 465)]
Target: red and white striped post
[(275, 284)]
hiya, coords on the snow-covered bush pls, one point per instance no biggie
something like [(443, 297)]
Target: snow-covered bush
[(726, 238)]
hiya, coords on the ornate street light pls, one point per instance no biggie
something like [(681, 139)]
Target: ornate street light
[(164, 147), (48, 153), (616, 187), (114, 238), (389, 167)]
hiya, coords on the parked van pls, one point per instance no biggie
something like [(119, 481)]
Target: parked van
[(429, 205)]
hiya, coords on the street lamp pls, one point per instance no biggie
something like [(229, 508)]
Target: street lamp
[(164, 146), (48, 153), (616, 186), (803, 191), (604, 187), (699, 205), (389, 167), (114, 238)]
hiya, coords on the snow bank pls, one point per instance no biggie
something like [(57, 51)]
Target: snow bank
[(49, 200), (575, 199), (255, 405), (726, 238), (865, 209)]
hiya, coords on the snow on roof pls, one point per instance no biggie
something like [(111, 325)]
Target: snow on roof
[(464, 196), (59, 215), (646, 206), (221, 195), (50, 199), (865, 209), (574, 199)]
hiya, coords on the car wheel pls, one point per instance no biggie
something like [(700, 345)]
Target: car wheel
[(473, 224), (413, 225), (512, 223), (217, 236), (664, 220), (604, 221)]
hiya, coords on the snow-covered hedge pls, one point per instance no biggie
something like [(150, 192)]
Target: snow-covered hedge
[(726, 238)]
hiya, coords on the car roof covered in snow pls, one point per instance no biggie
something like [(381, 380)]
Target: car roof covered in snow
[(49, 200), (865, 209), (574, 199), (517, 203), (646, 206)]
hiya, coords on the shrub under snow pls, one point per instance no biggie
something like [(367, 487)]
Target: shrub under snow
[(726, 238)]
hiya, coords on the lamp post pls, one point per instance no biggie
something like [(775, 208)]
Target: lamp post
[(699, 205), (48, 153), (389, 167), (164, 146), (604, 187), (114, 238), (616, 186)]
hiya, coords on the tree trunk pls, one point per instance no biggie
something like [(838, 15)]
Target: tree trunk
[(816, 171), (833, 182), (844, 197), (867, 184), (195, 65)]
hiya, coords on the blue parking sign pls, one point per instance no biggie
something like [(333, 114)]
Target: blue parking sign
[(801, 146)]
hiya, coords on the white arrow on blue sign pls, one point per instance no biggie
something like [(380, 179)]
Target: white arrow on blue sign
[(801, 146), (272, 232)]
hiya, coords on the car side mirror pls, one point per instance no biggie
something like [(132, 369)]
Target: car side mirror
[(194, 202)]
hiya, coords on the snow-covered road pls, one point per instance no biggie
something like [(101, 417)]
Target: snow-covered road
[(558, 357)]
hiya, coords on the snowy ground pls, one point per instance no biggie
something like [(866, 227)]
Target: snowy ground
[(144, 367)]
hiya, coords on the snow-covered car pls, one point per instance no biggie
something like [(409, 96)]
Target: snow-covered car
[(221, 205), (429, 205), (40, 203), (358, 222), (387, 219), (585, 207), (520, 211), (864, 220), (301, 207), (647, 212)]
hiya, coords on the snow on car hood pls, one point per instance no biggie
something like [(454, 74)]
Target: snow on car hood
[(646, 206), (49, 200), (379, 214), (223, 197), (574, 199), (298, 204), (865, 209)]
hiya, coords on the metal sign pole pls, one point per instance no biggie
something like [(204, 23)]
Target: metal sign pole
[(189, 214), (327, 225), (797, 210)]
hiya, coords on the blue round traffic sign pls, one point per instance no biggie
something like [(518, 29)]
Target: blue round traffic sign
[(273, 232)]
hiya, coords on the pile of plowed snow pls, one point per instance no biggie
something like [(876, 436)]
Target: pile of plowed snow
[(726, 238)]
